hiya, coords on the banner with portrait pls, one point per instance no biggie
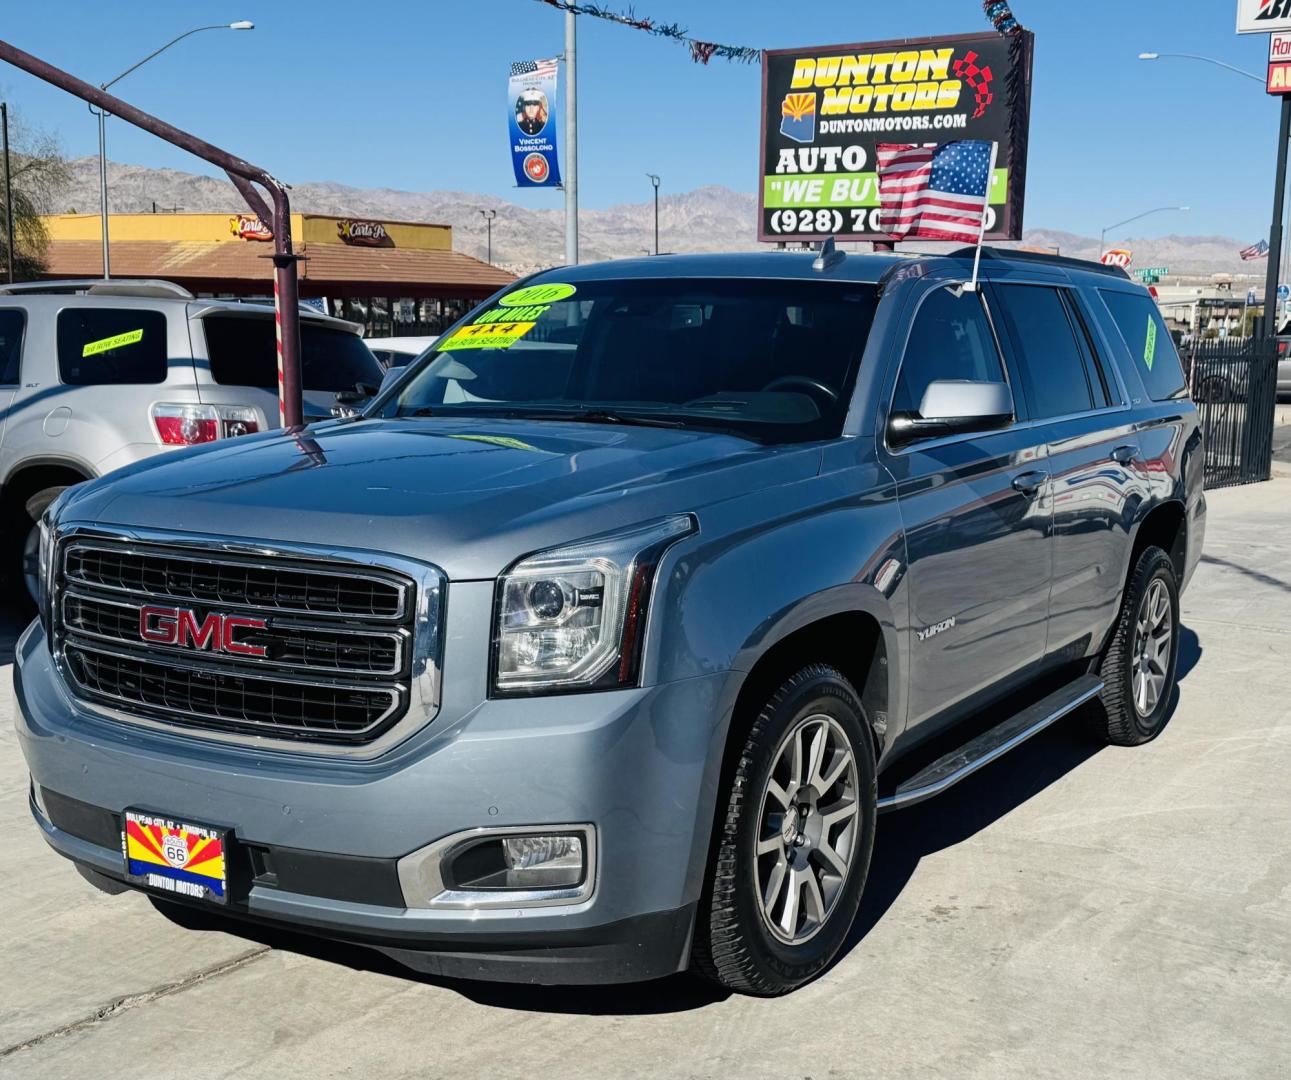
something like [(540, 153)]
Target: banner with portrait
[(531, 102)]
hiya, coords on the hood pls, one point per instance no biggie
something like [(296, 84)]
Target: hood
[(470, 495)]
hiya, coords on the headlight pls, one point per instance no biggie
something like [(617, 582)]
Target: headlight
[(573, 617)]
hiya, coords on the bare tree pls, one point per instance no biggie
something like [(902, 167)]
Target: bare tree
[(39, 172)]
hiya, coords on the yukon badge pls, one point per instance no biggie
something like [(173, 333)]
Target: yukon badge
[(949, 624)]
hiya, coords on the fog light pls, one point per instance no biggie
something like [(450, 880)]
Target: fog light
[(543, 862), (502, 868)]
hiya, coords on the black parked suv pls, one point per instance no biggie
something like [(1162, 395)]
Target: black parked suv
[(594, 647)]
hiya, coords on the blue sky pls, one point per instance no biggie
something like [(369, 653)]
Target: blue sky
[(411, 95)]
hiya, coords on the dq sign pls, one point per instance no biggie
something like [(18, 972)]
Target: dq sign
[(1121, 257)]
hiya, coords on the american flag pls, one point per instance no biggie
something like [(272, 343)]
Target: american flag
[(533, 67), (934, 192), (1255, 251)]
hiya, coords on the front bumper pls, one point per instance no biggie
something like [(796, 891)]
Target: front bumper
[(640, 765)]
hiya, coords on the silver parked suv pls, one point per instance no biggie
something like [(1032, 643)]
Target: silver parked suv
[(95, 375), (593, 648)]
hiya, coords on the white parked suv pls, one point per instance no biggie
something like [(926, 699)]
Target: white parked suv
[(95, 375)]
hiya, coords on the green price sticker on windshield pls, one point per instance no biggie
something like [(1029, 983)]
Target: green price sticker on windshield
[(116, 341), (538, 294), (1150, 345)]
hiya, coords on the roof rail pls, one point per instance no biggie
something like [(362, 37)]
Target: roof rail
[(153, 287), (1020, 255)]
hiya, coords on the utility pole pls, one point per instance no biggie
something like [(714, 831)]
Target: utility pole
[(8, 191), (1269, 325), (654, 179), (489, 215), (571, 139)]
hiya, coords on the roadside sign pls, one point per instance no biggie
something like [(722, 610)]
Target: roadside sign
[(1263, 16), (1153, 272), (827, 109), (1279, 80), (1121, 257)]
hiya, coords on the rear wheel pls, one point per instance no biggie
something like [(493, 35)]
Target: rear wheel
[(1141, 661), (794, 841)]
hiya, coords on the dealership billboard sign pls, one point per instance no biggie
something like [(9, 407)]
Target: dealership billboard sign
[(826, 110), (1263, 16)]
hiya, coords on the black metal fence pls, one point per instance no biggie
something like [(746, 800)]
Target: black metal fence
[(1234, 383)]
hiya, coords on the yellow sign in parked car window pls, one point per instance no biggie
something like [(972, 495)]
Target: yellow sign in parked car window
[(1150, 345), (487, 335), (116, 341)]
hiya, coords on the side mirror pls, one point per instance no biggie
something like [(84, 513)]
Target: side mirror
[(953, 407)]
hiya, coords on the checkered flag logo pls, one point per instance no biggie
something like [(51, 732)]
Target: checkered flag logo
[(979, 78)]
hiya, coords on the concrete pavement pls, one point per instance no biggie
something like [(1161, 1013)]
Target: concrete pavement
[(1068, 912)]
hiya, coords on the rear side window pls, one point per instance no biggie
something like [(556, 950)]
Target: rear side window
[(1150, 344), (101, 346), (1048, 355), (11, 326), (244, 352), (951, 339)]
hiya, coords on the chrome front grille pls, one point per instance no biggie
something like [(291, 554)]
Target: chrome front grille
[(258, 643)]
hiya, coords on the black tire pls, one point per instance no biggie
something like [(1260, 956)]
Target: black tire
[(734, 945), (1125, 721), (24, 558)]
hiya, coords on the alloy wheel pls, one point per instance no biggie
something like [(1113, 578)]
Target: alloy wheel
[(1153, 630), (807, 828)]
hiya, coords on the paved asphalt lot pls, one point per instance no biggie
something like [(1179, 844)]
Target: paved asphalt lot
[(1069, 912)]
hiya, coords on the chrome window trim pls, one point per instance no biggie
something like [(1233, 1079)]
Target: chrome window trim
[(397, 636), (424, 683), (186, 600), (420, 873)]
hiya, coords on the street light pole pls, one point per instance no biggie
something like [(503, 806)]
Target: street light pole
[(242, 24), (489, 215), (8, 191), (571, 138), (1102, 237), (654, 179)]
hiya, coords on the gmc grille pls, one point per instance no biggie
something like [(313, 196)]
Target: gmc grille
[(332, 661)]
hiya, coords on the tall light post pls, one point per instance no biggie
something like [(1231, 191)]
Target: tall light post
[(654, 179), (242, 24), (488, 216), (571, 138), (1102, 237), (1269, 324)]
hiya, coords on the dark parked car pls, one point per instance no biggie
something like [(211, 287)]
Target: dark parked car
[(593, 649)]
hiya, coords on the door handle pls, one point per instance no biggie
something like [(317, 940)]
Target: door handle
[(1029, 482), (1123, 455)]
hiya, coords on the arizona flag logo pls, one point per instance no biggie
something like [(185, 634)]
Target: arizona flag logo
[(798, 117), (177, 853)]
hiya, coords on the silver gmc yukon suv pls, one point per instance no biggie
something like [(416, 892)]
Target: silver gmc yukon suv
[(593, 649)]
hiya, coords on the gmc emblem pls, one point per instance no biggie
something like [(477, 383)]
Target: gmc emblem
[(179, 626)]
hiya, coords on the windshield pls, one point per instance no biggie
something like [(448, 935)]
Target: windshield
[(772, 360)]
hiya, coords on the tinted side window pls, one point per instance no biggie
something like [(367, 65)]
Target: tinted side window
[(11, 326), (951, 339), (1095, 366), (1150, 344), (1051, 364), (244, 352), (97, 346)]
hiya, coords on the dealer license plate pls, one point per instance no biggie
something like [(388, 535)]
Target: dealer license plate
[(175, 856)]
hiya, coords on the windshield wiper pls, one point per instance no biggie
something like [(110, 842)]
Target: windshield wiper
[(603, 416)]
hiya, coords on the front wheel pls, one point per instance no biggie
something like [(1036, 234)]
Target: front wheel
[(794, 840)]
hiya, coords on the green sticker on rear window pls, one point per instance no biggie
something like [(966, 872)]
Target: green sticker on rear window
[(116, 341), (1150, 345)]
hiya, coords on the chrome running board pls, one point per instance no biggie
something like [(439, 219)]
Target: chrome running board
[(981, 750)]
